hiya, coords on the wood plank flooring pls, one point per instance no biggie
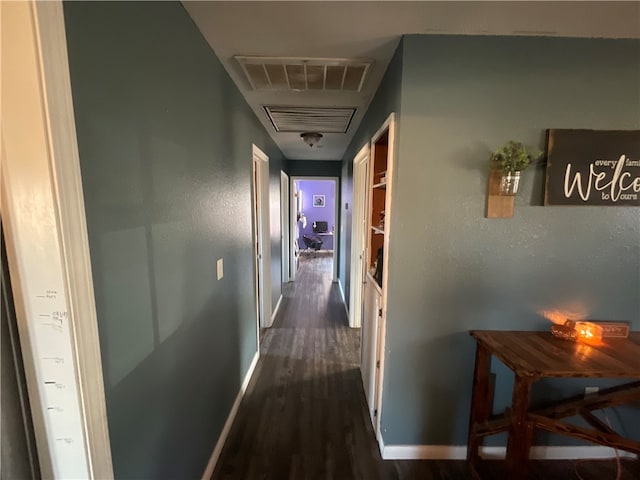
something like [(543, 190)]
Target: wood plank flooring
[(304, 415)]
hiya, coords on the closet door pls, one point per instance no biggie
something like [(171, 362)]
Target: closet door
[(370, 324)]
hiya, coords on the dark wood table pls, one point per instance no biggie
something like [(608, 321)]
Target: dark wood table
[(535, 355)]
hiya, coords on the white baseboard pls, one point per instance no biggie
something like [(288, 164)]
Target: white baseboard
[(568, 453), (208, 472), (380, 443), (275, 310), (459, 452)]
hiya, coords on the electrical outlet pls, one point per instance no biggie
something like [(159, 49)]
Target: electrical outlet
[(220, 268), (588, 391)]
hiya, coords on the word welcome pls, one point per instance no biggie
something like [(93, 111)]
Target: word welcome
[(616, 184)]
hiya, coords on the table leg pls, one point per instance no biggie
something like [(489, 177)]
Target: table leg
[(520, 429), (481, 403)]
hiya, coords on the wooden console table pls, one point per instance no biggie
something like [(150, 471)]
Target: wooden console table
[(535, 355)]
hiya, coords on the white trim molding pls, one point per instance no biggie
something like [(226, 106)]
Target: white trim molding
[(261, 195), (344, 302), (73, 232), (208, 472), (389, 125), (359, 209), (275, 310), (459, 452), (47, 244), (380, 443)]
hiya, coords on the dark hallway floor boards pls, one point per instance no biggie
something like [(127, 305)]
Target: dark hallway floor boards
[(304, 414)]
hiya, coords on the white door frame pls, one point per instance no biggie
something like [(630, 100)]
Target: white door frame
[(358, 237), (43, 212), (336, 217), (390, 125), (293, 230), (262, 237), (285, 205)]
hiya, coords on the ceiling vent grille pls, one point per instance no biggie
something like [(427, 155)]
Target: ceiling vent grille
[(310, 119), (305, 74)]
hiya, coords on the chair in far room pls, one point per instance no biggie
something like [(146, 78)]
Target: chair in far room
[(313, 243)]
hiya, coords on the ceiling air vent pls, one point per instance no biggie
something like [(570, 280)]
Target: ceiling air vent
[(310, 119), (302, 74)]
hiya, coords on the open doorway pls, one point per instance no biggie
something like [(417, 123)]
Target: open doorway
[(284, 221), (21, 460), (262, 241), (314, 219), (358, 236)]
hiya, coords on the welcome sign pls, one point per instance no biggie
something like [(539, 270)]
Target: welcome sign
[(593, 167)]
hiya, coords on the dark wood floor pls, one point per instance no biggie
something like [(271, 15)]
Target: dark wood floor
[(304, 415)]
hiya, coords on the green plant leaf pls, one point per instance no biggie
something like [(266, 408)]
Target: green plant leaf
[(511, 157)]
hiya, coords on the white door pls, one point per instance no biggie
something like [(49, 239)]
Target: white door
[(284, 224), (261, 236), (358, 229), (369, 351)]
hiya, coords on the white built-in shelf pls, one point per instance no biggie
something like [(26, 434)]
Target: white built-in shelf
[(380, 185), (377, 230)]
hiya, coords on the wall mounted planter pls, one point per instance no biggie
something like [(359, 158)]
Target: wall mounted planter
[(498, 205), (509, 182)]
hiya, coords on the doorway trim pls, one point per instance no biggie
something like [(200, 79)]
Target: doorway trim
[(389, 126), (336, 217), (294, 247), (44, 167), (262, 238), (358, 238), (284, 225)]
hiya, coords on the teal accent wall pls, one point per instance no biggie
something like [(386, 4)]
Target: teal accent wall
[(165, 153), (314, 168), (451, 269)]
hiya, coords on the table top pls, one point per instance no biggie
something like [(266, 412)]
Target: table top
[(540, 354)]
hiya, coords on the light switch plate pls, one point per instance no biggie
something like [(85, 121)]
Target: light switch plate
[(220, 268)]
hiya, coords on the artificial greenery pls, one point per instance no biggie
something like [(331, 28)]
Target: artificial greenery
[(511, 157)]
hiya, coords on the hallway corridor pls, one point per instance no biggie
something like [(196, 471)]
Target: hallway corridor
[(304, 414)]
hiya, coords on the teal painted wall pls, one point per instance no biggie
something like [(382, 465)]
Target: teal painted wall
[(165, 151), (314, 168), (452, 270), (385, 101)]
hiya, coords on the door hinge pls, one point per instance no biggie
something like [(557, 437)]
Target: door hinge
[(380, 312), (375, 412), (378, 364)]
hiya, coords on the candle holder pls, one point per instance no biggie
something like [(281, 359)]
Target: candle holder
[(566, 331), (588, 332)]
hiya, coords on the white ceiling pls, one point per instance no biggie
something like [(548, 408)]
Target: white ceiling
[(363, 29)]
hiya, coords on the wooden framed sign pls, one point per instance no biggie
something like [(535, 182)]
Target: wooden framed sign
[(593, 167)]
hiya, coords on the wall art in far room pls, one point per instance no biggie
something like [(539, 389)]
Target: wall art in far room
[(318, 200)]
